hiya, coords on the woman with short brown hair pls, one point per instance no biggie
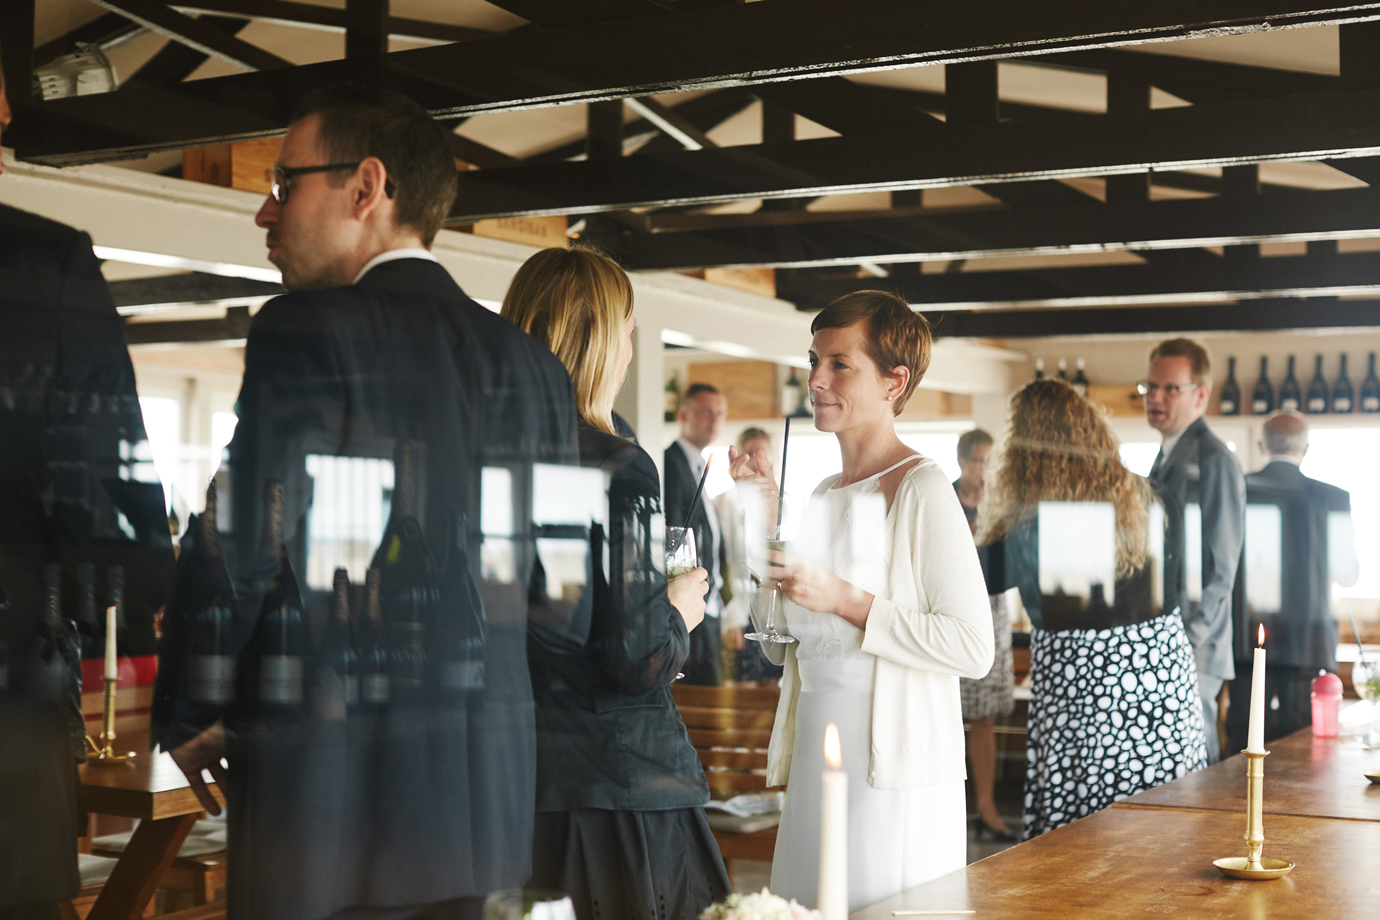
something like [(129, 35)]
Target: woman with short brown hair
[(889, 609)]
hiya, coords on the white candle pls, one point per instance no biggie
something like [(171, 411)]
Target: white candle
[(1255, 735), (112, 669), (832, 899)]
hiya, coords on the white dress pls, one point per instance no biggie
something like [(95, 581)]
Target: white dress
[(897, 838)]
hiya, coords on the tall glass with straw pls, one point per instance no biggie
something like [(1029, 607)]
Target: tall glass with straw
[(775, 600)]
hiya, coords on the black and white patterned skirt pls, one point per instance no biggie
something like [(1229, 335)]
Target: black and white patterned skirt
[(1112, 712)]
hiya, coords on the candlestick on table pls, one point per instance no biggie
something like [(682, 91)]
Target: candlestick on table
[(832, 899), (105, 751), (1255, 733)]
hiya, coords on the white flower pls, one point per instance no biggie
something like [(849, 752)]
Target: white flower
[(761, 906)]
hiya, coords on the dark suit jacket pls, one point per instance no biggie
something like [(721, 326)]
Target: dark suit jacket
[(680, 489), (608, 733), (1303, 632), (1203, 471), (421, 803), (68, 418)]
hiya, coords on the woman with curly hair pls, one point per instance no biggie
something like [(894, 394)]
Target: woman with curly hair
[(1114, 705)]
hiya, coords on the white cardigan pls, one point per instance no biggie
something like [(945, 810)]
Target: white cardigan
[(933, 628)]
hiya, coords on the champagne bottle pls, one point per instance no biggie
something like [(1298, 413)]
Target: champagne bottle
[(1370, 388), (372, 649), (336, 690), (407, 579), (672, 397), (1063, 369), (1317, 389), (211, 662), (461, 628), (282, 626), (56, 672), (1343, 395), (86, 594), (1229, 402), (1263, 397), (1289, 397), (1039, 368), (1080, 379)]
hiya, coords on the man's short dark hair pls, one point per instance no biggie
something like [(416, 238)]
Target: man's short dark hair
[(358, 122), (970, 441), (696, 389), (1198, 358)]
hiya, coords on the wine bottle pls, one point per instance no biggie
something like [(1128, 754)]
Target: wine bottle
[(336, 690), (86, 595), (1289, 396), (1317, 389), (1263, 396), (211, 660), (407, 579), (1080, 379), (1039, 368), (282, 637), (1343, 395), (1370, 388), (1063, 369), (372, 649), (672, 399), (1229, 402), (461, 628)]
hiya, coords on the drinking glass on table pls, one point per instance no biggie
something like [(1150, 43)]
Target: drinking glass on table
[(1365, 679), (682, 556), (528, 904)]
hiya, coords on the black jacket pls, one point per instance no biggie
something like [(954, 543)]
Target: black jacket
[(608, 733), (1202, 471), (1302, 633), (424, 802), (70, 493)]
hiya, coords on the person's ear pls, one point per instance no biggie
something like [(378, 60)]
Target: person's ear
[(899, 379), (370, 186)]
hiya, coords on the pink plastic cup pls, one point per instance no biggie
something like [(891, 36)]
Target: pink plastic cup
[(1327, 700)]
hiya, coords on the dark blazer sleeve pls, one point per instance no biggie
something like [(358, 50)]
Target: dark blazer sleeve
[(639, 639), (1222, 497)]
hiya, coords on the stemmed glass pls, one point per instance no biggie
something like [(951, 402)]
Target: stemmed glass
[(1365, 678), (681, 555), (774, 602)]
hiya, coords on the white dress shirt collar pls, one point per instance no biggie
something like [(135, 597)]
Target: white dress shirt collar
[(1284, 458), (1171, 442), (393, 255)]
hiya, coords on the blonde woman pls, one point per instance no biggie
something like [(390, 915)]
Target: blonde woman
[(1114, 699), (888, 604), (620, 821)]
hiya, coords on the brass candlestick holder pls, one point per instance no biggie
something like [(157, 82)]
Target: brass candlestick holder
[(105, 751), (1253, 866)]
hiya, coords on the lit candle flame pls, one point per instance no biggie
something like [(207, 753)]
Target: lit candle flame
[(1260, 635), (833, 754)]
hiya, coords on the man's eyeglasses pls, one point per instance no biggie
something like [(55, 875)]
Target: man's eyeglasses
[(1146, 387), (285, 177)]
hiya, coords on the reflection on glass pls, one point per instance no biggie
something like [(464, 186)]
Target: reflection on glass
[(350, 506), (1193, 551), (1264, 559), (1078, 552)]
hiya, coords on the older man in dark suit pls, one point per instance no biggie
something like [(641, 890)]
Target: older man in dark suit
[(69, 497), (1196, 469), (420, 804), (1310, 524)]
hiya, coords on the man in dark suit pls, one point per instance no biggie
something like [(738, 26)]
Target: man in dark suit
[(1309, 524), (1196, 469), (702, 414), (415, 805), (68, 415)]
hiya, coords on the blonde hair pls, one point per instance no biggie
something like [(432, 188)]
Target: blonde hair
[(575, 302), (1062, 449)]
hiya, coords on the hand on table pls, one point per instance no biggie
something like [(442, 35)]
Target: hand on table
[(204, 752), (816, 588), (687, 594)]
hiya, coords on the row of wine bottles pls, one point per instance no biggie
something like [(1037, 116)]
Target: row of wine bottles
[(404, 650), (1079, 381), (58, 643), (1339, 397)]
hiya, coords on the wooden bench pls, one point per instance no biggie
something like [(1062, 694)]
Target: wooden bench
[(730, 728)]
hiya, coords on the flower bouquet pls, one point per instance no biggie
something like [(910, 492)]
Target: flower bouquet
[(761, 906)]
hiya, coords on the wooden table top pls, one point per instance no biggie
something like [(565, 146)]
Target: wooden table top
[(1321, 777), (147, 786), (1124, 862)]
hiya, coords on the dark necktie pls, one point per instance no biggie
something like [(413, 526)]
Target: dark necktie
[(1155, 469)]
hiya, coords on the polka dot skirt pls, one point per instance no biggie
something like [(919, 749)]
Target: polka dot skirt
[(1112, 712)]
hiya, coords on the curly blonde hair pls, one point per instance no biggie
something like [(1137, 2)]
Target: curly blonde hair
[(1061, 449)]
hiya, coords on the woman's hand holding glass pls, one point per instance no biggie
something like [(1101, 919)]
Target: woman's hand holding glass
[(687, 593), (817, 588)]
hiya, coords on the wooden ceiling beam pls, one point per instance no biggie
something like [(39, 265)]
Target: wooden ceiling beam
[(695, 49), (107, 28), (176, 62), (306, 14), (198, 36)]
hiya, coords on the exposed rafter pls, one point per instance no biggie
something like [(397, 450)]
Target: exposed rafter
[(233, 327), (149, 295), (696, 49), (326, 17), (109, 29), (198, 36), (176, 62)]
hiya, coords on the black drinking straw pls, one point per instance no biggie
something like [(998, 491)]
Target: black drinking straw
[(1360, 650), (698, 489), (781, 492)]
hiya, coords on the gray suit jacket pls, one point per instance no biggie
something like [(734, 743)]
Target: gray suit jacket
[(1202, 470)]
